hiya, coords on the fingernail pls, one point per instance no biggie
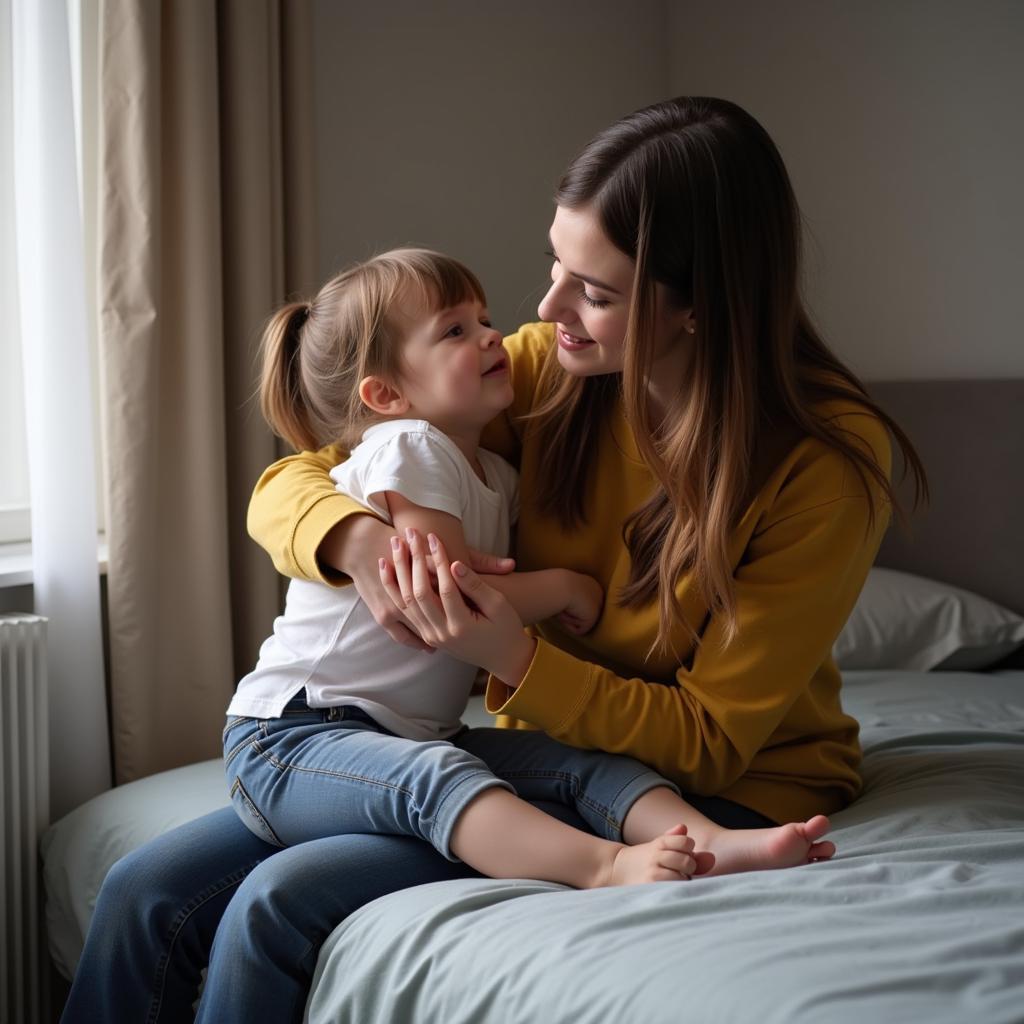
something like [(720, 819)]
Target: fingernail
[(395, 543), (432, 541), (381, 564), (459, 569), (409, 534)]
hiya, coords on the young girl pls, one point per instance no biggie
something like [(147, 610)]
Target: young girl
[(340, 730)]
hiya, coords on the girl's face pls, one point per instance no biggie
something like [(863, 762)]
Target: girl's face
[(455, 370), (589, 299)]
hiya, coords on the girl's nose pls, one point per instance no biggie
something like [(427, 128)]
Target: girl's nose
[(491, 338)]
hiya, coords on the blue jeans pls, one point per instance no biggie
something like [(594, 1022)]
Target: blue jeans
[(160, 907), (318, 772)]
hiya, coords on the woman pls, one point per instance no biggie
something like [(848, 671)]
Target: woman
[(683, 435)]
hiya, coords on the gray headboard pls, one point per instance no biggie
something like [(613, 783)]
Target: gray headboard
[(970, 436)]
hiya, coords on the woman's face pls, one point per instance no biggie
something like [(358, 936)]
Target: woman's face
[(589, 299)]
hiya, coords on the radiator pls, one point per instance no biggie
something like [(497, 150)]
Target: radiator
[(25, 795)]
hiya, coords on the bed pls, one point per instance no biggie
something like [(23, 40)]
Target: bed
[(920, 916)]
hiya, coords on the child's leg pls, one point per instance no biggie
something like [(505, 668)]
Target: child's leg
[(505, 837), (624, 800), (313, 773), (733, 849), (308, 775)]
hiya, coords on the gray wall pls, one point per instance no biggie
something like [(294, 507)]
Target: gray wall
[(448, 123), (901, 124)]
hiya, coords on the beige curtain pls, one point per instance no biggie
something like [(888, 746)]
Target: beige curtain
[(205, 223)]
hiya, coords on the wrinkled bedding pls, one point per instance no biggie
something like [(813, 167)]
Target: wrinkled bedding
[(919, 917)]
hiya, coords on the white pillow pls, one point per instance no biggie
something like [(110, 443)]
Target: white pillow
[(909, 622)]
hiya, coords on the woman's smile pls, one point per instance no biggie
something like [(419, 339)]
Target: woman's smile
[(572, 342)]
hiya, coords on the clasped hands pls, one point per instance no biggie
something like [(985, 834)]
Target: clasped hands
[(459, 613)]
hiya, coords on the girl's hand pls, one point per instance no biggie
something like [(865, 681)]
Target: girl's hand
[(486, 631), (586, 597), (352, 548)]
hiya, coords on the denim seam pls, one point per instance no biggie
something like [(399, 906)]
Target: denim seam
[(237, 749), (234, 879)]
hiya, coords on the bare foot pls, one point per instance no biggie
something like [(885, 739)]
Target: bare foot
[(757, 849), (668, 858)]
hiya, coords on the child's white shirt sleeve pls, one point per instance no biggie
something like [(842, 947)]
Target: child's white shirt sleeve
[(409, 457)]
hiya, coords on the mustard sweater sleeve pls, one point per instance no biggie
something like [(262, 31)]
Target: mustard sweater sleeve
[(796, 584), (294, 506)]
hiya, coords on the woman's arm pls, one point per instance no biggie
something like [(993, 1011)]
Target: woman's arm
[(795, 588), (314, 532)]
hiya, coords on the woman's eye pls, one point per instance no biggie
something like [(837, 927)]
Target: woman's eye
[(592, 302)]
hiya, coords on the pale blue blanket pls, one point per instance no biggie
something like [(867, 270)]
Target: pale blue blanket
[(919, 917)]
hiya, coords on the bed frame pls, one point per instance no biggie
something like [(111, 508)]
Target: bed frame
[(970, 436)]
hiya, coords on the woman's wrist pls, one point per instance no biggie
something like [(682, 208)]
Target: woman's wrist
[(515, 662)]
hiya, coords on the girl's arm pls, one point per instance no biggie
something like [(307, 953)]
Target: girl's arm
[(533, 595)]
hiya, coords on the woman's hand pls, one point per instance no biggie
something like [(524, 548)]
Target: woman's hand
[(353, 547), (486, 631)]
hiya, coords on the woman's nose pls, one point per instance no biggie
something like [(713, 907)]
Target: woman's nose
[(552, 305)]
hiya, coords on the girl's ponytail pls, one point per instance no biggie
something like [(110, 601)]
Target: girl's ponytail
[(283, 399)]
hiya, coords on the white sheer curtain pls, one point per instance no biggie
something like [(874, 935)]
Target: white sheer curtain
[(55, 357)]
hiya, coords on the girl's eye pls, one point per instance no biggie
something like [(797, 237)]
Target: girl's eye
[(593, 303), (486, 323), (454, 331), (550, 252)]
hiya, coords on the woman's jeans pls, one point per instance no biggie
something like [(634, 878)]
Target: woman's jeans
[(271, 910), (318, 772)]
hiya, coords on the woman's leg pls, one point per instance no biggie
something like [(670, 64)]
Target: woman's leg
[(601, 787), (154, 922), (268, 941)]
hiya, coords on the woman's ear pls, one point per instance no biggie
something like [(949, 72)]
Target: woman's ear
[(381, 397)]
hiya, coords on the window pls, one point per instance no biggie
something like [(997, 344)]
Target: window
[(15, 519)]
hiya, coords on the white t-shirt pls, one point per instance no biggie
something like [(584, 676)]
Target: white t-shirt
[(328, 642)]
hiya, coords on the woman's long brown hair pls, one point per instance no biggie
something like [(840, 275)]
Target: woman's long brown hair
[(696, 193)]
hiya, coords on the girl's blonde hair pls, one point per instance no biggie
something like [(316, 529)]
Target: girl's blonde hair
[(694, 191), (315, 353)]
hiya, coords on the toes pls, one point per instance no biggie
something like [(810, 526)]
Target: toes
[(821, 851), (816, 827)]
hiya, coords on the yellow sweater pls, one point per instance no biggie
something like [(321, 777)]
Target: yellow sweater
[(759, 722)]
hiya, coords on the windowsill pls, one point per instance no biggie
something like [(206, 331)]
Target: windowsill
[(16, 562)]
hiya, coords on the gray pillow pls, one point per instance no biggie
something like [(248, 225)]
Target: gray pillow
[(908, 622)]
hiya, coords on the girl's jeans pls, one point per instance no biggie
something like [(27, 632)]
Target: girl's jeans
[(161, 906), (319, 772)]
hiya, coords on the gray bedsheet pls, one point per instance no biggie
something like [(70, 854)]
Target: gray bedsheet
[(920, 916)]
